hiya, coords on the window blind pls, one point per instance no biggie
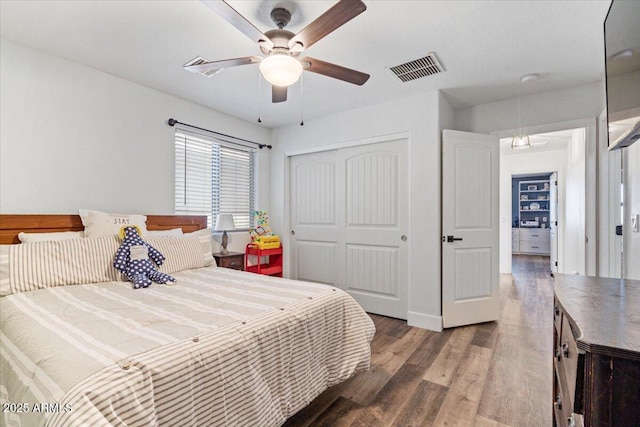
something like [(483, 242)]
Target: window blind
[(213, 176)]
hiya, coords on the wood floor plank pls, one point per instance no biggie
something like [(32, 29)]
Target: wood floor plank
[(402, 349), (334, 413), (429, 349), (423, 406), (364, 388), (446, 364), (389, 402), (486, 335), (460, 405), (320, 404), (486, 422)]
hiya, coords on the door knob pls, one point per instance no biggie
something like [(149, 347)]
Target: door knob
[(451, 239), (293, 232), (403, 238)]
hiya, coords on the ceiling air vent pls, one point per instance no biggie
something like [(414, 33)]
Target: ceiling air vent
[(418, 68)]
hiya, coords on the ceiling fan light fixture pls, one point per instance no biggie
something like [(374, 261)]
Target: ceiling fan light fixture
[(520, 143), (281, 69)]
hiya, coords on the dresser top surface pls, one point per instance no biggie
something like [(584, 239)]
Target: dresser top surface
[(606, 312)]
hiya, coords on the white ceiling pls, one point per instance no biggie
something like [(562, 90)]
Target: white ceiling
[(485, 47), (549, 141)]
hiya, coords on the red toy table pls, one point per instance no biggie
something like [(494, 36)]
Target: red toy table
[(272, 266)]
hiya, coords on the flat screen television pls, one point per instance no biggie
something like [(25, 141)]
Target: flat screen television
[(622, 71)]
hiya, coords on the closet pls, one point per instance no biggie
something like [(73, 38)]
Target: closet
[(530, 234)]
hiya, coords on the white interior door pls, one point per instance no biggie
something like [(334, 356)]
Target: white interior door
[(553, 223), (353, 234), (314, 215), (470, 215)]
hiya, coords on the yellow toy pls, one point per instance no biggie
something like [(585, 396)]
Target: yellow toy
[(262, 234)]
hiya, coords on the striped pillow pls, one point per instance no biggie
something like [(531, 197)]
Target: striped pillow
[(42, 265), (183, 252)]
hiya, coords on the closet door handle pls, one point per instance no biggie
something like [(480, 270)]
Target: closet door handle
[(451, 239)]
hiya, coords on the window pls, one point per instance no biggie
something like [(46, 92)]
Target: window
[(213, 176)]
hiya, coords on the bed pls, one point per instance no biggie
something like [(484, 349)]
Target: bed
[(221, 347)]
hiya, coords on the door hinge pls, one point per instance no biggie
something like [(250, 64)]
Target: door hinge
[(556, 263), (555, 183)]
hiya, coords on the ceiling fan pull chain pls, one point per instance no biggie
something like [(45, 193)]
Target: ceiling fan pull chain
[(302, 100), (259, 97)]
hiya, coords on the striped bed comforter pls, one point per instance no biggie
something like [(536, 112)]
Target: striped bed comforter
[(221, 347)]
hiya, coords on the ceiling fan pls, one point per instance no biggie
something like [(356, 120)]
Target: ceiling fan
[(281, 66)]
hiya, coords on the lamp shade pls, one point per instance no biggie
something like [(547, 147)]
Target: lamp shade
[(281, 69), (224, 222)]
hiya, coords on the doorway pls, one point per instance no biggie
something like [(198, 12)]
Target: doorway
[(566, 153), (534, 210)]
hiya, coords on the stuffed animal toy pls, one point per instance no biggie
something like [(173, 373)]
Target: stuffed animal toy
[(132, 259)]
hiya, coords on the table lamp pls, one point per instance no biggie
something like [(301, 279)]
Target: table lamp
[(224, 222)]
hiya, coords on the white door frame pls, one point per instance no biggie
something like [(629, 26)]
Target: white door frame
[(286, 239), (560, 212), (610, 178), (591, 195)]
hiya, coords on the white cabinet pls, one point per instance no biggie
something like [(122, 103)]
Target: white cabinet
[(534, 241), (515, 240)]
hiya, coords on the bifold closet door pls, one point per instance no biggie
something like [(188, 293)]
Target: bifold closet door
[(349, 216)]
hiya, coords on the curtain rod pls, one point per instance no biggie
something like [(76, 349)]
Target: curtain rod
[(172, 122)]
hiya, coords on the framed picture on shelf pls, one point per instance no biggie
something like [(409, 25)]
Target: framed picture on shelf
[(532, 188)]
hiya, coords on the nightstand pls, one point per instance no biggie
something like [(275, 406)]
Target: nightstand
[(233, 260)]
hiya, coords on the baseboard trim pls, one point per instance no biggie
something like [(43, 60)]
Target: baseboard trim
[(424, 321)]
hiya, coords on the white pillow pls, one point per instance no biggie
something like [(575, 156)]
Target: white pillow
[(65, 262), (191, 250), (206, 240), (98, 224), (50, 237), (5, 284), (172, 232)]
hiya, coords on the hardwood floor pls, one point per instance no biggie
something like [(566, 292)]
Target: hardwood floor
[(493, 374)]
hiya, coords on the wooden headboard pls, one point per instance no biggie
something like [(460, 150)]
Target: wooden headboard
[(11, 225)]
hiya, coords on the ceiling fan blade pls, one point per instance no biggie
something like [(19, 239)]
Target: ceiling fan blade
[(202, 66), (278, 93), (336, 71), (338, 15), (232, 16)]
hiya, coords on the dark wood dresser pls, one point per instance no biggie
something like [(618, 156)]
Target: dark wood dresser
[(596, 352)]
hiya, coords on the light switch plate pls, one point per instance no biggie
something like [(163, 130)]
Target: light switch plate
[(635, 223)]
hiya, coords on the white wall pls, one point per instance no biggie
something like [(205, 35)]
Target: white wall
[(419, 117), (577, 102), (574, 218), (525, 164), (72, 136)]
